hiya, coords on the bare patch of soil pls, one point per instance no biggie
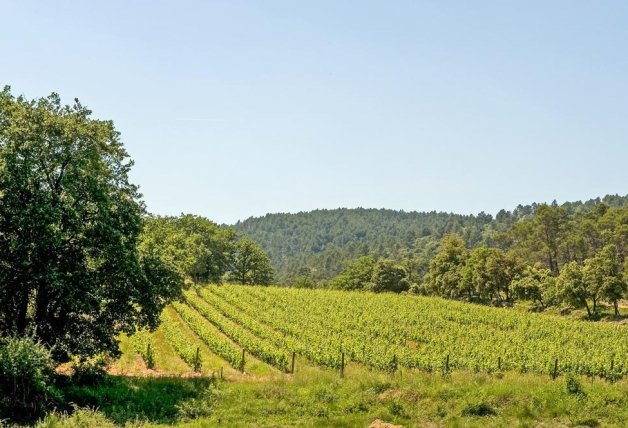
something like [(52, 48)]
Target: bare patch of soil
[(378, 423)]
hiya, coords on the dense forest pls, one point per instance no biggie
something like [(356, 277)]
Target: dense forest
[(313, 247)]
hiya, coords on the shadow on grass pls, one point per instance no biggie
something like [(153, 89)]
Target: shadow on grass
[(158, 399)]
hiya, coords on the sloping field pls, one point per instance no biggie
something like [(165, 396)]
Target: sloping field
[(390, 332)]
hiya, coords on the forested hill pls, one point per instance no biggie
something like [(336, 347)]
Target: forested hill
[(317, 244)]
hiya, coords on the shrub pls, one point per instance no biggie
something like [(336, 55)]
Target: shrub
[(26, 375), (573, 385), (479, 409), (89, 371), (81, 418)]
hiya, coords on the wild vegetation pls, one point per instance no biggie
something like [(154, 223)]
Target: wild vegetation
[(311, 248), (198, 250)]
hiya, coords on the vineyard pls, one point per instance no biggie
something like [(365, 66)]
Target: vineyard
[(386, 333)]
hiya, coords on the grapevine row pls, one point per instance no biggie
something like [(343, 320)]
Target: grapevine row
[(209, 335), (179, 342), (251, 343), (421, 332)]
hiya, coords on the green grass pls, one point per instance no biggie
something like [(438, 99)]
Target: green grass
[(316, 397), (166, 358), (127, 399)]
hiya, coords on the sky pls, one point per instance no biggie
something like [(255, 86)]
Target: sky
[(232, 108)]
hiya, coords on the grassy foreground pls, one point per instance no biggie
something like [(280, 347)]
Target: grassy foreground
[(320, 398), (172, 394)]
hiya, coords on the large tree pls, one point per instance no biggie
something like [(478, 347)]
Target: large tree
[(250, 264), (356, 275), (543, 237), (70, 272), (604, 274), (444, 277), (195, 247), (575, 290), (388, 276)]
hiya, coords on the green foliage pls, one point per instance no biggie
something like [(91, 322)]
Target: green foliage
[(323, 241), (479, 409), (89, 370), (317, 398), (142, 343), (81, 418), (193, 246), (210, 335), (573, 386), (388, 276), (126, 399), (69, 223), (603, 274), (260, 348), (535, 284), (574, 290), (179, 342), (26, 375), (386, 330), (444, 277), (356, 274), (552, 256), (369, 274), (487, 275), (250, 264)]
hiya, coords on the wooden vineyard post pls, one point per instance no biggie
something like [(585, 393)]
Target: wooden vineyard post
[(612, 364), (499, 363), (150, 358), (447, 364), (342, 364), (555, 373), (394, 364), (242, 363), (222, 376), (197, 360), (292, 364)]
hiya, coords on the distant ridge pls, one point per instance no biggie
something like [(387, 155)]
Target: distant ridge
[(318, 243)]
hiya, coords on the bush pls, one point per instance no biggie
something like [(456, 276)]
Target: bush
[(89, 371), (81, 418), (479, 409), (26, 375), (573, 385)]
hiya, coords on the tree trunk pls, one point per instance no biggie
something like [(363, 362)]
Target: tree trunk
[(594, 304), (586, 305), (616, 306), (21, 313)]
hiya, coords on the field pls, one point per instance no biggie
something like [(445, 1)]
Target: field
[(267, 356)]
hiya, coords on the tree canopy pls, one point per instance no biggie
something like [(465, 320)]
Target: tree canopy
[(70, 271), (195, 247), (250, 264), (323, 241)]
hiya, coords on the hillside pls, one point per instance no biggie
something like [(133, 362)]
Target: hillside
[(269, 356), (320, 242)]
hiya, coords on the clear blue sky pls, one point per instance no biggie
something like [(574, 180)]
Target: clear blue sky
[(238, 108)]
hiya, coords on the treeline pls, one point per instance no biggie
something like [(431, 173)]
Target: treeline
[(200, 251), (315, 246), (550, 258)]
